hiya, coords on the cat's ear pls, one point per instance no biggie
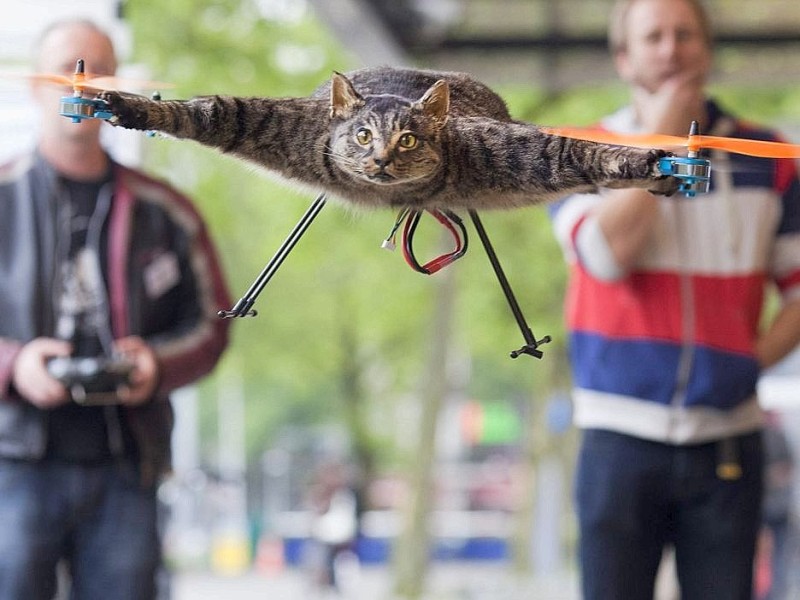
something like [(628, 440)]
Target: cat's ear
[(435, 103), (344, 97)]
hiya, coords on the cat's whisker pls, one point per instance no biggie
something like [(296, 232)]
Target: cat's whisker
[(343, 159)]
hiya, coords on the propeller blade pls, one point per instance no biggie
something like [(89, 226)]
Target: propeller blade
[(43, 77), (758, 148), (82, 81), (618, 139)]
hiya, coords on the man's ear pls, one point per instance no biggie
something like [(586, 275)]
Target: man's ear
[(435, 103), (344, 97)]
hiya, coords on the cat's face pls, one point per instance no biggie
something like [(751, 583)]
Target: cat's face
[(387, 140)]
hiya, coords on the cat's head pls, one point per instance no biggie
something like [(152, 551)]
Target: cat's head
[(386, 139)]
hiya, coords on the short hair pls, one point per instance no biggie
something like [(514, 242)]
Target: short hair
[(618, 23)]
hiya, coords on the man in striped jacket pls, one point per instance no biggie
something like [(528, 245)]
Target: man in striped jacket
[(664, 309)]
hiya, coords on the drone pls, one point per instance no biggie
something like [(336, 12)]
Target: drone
[(692, 171)]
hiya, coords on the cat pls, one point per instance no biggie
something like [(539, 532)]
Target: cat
[(399, 137)]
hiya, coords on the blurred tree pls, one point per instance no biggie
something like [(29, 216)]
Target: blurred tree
[(411, 551)]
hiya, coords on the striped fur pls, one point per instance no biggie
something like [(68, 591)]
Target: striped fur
[(384, 137)]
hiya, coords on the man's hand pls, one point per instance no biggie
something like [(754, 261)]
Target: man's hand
[(31, 378), (144, 377), (674, 104)]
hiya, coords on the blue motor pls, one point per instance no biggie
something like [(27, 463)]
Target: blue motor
[(78, 108), (694, 173)]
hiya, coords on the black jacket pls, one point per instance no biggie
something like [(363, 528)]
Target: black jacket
[(164, 284)]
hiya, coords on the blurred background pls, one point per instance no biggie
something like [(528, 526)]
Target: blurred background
[(359, 373)]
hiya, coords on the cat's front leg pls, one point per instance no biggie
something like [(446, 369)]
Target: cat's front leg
[(130, 111)]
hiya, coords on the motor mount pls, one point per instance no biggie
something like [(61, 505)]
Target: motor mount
[(694, 173)]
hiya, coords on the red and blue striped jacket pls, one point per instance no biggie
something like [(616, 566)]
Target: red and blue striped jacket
[(666, 351)]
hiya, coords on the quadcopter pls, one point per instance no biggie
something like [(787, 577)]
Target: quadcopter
[(692, 171)]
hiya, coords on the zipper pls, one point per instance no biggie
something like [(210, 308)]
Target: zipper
[(687, 352), (61, 233), (723, 184)]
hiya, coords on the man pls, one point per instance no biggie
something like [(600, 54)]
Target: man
[(96, 260), (664, 307)]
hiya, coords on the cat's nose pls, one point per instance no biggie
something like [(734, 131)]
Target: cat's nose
[(382, 162)]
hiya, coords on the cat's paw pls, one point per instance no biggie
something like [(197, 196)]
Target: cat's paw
[(663, 185), (128, 111), (666, 186)]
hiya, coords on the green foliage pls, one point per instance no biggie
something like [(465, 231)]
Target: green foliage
[(577, 106)]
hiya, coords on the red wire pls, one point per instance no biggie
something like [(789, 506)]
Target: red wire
[(439, 262)]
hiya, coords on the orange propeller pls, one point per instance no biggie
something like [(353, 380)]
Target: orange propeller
[(81, 80), (97, 82), (693, 142)]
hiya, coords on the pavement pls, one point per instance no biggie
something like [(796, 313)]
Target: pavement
[(449, 581)]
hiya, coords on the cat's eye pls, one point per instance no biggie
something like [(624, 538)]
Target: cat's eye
[(363, 136), (407, 140)]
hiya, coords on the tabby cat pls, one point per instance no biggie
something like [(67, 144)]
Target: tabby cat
[(391, 137)]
